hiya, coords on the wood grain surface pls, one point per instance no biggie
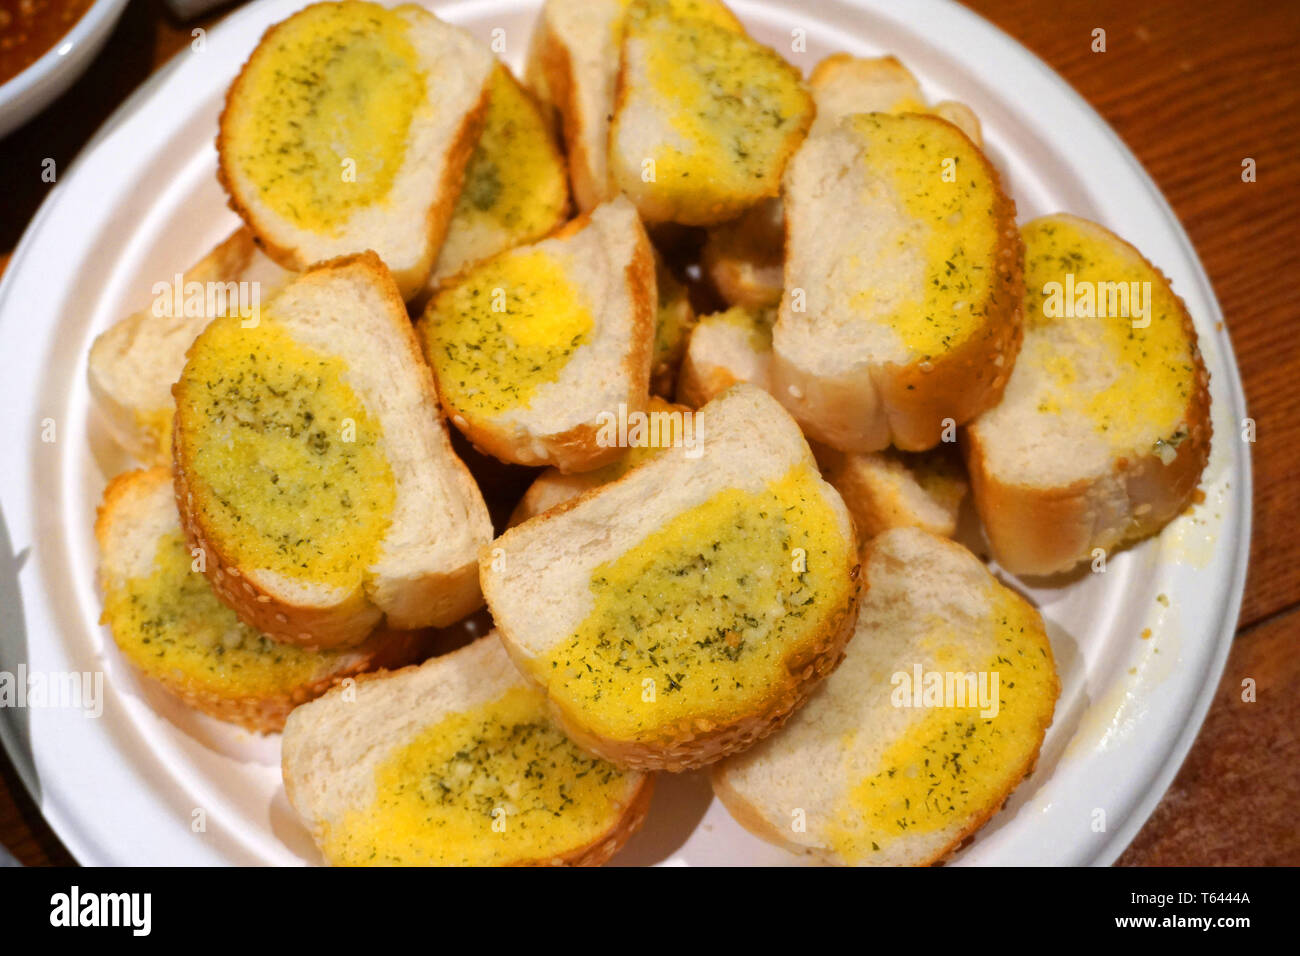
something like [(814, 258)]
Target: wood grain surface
[(1194, 88)]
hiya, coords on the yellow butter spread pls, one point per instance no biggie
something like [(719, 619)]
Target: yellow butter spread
[(1149, 372), (698, 622), (953, 762), (494, 785), (515, 181), (171, 626), (285, 459), (736, 107), (505, 328), (948, 201), (757, 323), (325, 107)]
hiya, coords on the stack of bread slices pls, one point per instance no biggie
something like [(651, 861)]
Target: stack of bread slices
[(728, 346)]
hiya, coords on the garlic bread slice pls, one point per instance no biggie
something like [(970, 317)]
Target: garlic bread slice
[(936, 714), (685, 610), (454, 763), (1104, 429), (533, 347), (348, 129), (901, 310), (313, 469)]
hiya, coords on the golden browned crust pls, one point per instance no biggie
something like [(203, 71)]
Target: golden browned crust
[(351, 620), (439, 215), (1036, 530), (266, 714), (576, 449), (695, 743)]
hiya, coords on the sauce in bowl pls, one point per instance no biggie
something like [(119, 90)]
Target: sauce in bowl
[(30, 27)]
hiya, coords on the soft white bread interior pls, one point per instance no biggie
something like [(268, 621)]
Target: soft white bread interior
[(685, 610), (726, 348), (662, 426), (134, 364), (744, 257), (515, 187), (174, 632), (533, 347), (705, 117), (573, 68), (348, 129), (913, 743), (453, 763), (897, 489), (901, 310), (1104, 429), (314, 470)]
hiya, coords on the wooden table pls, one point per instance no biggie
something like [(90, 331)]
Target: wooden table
[(1193, 88)]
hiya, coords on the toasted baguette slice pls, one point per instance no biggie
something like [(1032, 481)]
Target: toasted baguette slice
[(881, 769), (726, 348), (901, 310), (705, 118), (134, 364), (674, 319), (348, 129), (898, 489), (1104, 430), (664, 426), (515, 188), (454, 763), (314, 471), (744, 258), (531, 348), (573, 69), (685, 610), (172, 629)]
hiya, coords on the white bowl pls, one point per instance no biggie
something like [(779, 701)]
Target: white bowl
[(26, 94)]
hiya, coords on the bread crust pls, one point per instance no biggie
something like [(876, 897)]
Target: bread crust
[(578, 449), (908, 405), (600, 850), (1036, 530), (439, 214), (349, 620), (689, 745), (550, 57)]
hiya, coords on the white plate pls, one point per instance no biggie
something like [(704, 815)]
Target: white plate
[(142, 202)]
